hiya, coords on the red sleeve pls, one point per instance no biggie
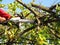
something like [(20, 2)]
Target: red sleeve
[(4, 14)]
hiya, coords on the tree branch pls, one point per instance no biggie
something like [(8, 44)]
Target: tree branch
[(17, 19), (27, 7), (43, 8), (52, 30), (52, 7), (28, 29)]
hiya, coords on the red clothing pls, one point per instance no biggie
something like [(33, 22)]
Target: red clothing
[(4, 14)]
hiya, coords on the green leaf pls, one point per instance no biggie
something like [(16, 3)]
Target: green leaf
[(0, 0)]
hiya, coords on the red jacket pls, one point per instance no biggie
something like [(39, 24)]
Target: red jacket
[(4, 14)]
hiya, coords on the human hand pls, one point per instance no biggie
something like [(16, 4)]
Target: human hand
[(2, 19)]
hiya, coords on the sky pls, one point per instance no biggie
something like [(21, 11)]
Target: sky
[(46, 3)]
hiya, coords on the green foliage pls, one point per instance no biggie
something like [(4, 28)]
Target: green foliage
[(39, 36), (0, 0), (2, 5)]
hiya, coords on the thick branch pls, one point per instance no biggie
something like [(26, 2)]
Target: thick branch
[(17, 19), (43, 8), (44, 23), (52, 20), (52, 7), (28, 29), (27, 7)]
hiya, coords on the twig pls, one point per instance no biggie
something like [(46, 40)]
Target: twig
[(27, 14), (52, 30)]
